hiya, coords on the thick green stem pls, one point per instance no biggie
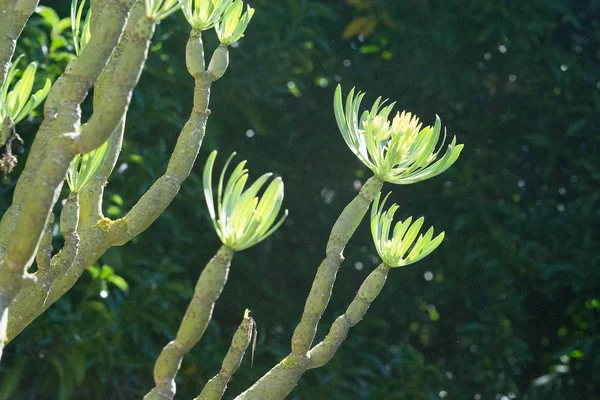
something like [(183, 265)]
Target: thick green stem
[(115, 97), (97, 235), (320, 292), (27, 302), (38, 190), (219, 62), (194, 54), (63, 110), (197, 316), (215, 387), (38, 297), (282, 379), (132, 48), (69, 91), (153, 203), (94, 242)]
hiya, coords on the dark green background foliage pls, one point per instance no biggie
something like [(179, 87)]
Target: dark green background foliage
[(508, 307)]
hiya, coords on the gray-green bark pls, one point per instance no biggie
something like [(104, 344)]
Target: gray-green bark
[(164, 190), (69, 223), (197, 316), (99, 233), (44, 253), (13, 16), (215, 387), (279, 381), (55, 145), (61, 121)]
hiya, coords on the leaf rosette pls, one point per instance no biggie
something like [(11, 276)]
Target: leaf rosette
[(18, 102), (403, 247), (399, 151), (234, 23), (84, 167), (240, 217)]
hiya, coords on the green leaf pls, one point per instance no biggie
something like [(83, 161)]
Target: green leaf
[(118, 282), (106, 271), (94, 271), (48, 14)]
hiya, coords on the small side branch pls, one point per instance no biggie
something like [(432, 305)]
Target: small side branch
[(61, 262), (369, 290), (215, 387)]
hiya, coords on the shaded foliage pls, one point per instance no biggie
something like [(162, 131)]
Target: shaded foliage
[(508, 306)]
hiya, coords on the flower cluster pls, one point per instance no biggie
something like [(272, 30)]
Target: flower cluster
[(400, 151)]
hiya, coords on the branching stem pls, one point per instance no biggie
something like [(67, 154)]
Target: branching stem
[(322, 286)]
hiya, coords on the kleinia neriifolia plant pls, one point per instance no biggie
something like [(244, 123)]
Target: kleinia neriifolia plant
[(111, 44), (400, 152)]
